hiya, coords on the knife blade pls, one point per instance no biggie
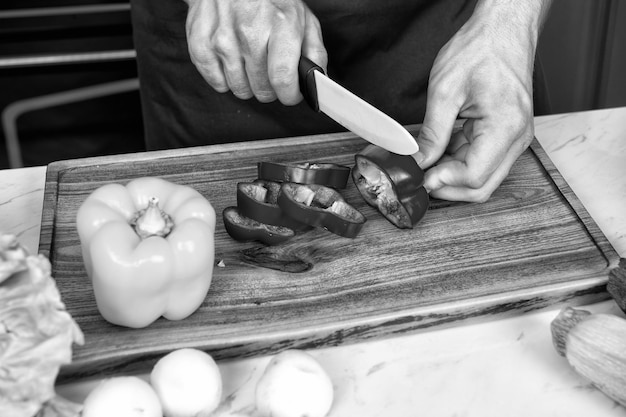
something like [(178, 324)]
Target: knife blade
[(352, 112)]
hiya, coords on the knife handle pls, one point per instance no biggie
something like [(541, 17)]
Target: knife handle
[(306, 78)]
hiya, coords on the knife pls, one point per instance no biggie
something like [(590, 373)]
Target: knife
[(352, 112)]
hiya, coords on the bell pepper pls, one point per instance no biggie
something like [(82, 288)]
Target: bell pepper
[(321, 206), (391, 183), (148, 248), (322, 173), (258, 200), (245, 229)]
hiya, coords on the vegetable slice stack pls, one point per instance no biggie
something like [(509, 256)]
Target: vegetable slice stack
[(263, 215), (258, 200), (321, 206), (321, 173)]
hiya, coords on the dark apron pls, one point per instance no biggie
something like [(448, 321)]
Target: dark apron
[(381, 50)]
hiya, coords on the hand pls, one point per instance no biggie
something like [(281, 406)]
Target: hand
[(483, 74), (252, 48)]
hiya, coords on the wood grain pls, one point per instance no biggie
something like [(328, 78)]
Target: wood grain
[(531, 246)]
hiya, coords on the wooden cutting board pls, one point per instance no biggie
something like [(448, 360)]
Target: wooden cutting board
[(532, 245)]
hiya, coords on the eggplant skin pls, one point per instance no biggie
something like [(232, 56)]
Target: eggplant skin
[(393, 184), (244, 229), (258, 200), (321, 173), (321, 206)]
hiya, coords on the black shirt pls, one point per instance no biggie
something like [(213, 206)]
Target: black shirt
[(380, 50)]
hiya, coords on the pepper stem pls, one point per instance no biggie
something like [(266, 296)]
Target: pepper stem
[(152, 221)]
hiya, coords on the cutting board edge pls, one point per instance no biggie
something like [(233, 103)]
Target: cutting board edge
[(596, 234), (408, 322)]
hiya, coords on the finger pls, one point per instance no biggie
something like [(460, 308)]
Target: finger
[(468, 128), (253, 42), (313, 42), (256, 65), (452, 179), (436, 130), (457, 140), (459, 154), (284, 50), (283, 54), (202, 56), (481, 194), (488, 146), (226, 48), (236, 76), (210, 68)]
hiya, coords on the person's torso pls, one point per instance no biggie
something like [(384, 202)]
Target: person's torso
[(382, 51)]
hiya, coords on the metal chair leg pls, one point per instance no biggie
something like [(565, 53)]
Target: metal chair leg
[(17, 108)]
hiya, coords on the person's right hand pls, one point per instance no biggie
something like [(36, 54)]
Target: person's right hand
[(252, 48)]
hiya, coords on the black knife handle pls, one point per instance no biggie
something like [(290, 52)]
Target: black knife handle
[(307, 81)]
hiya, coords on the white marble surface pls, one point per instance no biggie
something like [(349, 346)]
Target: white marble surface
[(21, 202), (589, 149), (504, 367)]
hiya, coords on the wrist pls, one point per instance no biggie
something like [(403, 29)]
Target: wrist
[(513, 18)]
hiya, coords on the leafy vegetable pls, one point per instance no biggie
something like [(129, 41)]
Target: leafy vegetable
[(36, 334)]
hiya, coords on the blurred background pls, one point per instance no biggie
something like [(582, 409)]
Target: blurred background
[(68, 88)]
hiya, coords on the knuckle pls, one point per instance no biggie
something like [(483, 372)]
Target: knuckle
[(476, 179), (249, 39), (527, 139), (240, 89), (520, 124), (442, 86), (223, 43), (481, 196), (518, 121), (282, 77), (198, 52), (428, 133), (210, 68)]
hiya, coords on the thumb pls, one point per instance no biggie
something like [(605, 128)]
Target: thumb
[(435, 132)]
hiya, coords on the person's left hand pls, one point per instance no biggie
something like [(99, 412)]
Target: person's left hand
[(483, 74)]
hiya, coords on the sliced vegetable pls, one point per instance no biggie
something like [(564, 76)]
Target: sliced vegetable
[(393, 184), (321, 206), (245, 229), (594, 346), (330, 175), (276, 258), (258, 201), (148, 248)]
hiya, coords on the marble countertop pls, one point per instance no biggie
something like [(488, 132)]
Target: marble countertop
[(503, 367)]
